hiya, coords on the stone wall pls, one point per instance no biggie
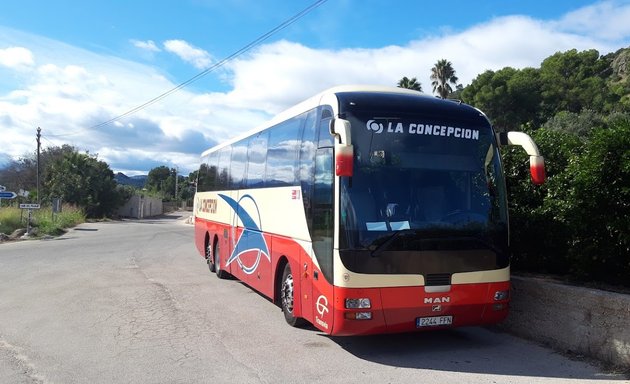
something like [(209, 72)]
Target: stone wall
[(585, 321)]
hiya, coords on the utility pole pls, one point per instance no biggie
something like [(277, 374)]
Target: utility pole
[(176, 183), (39, 135)]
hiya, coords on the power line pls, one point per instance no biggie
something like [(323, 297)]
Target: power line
[(231, 57)]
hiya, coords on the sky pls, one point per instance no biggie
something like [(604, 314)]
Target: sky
[(72, 67)]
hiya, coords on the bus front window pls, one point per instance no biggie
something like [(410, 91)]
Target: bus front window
[(414, 192)]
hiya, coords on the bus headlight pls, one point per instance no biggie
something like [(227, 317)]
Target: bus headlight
[(358, 303)]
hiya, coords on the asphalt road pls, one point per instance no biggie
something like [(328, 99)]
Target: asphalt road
[(133, 302)]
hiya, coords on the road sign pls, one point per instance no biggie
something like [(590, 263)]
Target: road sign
[(2, 188), (7, 195), (29, 206)]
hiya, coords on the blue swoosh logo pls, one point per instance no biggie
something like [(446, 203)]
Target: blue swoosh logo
[(251, 238)]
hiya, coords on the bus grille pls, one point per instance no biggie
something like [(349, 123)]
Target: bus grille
[(438, 279)]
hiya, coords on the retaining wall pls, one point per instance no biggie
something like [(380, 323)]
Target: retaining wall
[(586, 321)]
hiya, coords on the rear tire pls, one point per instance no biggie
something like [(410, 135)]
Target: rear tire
[(287, 298), (221, 274), (209, 257)]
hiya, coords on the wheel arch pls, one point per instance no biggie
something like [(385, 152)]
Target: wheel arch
[(277, 278)]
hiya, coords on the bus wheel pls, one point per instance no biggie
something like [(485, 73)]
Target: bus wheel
[(209, 259), (221, 274), (287, 300)]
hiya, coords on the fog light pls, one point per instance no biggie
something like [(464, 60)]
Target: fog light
[(358, 315), (362, 303), (501, 295), (364, 316)]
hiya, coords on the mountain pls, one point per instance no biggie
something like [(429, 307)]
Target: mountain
[(135, 181)]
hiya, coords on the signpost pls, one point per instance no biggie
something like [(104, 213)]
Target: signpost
[(29, 206), (7, 195)]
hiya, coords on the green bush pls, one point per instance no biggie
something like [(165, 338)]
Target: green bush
[(595, 204), (42, 219), (577, 224), (9, 220), (54, 225)]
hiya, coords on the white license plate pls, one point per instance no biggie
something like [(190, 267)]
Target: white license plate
[(435, 321)]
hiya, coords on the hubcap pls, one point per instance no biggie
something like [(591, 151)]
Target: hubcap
[(287, 294), (208, 254)]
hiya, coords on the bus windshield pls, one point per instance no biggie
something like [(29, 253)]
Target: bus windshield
[(423, 188)]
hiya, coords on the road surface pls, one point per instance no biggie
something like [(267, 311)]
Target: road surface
[(133, 302)]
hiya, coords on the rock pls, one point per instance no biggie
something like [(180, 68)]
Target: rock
[(17, 233)]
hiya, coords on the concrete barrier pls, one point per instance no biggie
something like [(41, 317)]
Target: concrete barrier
[(585, 321)]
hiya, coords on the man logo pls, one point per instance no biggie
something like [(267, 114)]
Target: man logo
[(437, 300), (322, 305)]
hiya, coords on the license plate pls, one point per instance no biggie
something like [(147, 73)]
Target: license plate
[(435, 321)]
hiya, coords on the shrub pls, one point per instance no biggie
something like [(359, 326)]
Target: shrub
[(577, 223)]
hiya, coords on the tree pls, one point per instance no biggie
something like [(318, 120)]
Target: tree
[(408, 83), (83, 180), (572, 81), (510, 97), (442, 75), (161, 180), (22, 173)]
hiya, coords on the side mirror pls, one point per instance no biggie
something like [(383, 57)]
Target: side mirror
[(536, 161), (344, 152)]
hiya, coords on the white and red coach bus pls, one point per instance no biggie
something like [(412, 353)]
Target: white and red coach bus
[(365, 210)]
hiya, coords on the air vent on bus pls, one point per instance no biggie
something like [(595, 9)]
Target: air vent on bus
[(438, 279)]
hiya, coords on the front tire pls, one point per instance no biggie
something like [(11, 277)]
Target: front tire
[(287, 298)]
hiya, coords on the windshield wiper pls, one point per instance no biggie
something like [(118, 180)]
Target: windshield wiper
[(381, 247)]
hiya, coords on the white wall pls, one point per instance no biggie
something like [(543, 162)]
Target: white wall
[(139, 207)]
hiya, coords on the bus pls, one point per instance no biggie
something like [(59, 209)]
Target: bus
[(365, 210)]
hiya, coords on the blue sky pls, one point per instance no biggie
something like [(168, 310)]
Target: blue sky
[(68, 66)]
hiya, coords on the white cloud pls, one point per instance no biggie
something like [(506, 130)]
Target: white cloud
[(603, 20), (278, 74), (15, 57), (190, 54), (148, 45)]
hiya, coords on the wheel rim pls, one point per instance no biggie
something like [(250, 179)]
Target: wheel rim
[(287, 293), (209, 253), (217, 264)]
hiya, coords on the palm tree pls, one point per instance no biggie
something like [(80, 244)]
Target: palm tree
[(441, 75), (410, 84)]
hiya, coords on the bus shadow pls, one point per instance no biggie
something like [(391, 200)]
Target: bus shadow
[(469, 350)]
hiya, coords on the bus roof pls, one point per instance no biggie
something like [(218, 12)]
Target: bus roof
[(313, 102)]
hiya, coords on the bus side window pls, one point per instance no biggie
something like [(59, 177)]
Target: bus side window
[(306, 170), (325, 139), (256, 158), (223, 169), (213, 163), (202, 175), (238, 164), (323, 217), (283, 152)]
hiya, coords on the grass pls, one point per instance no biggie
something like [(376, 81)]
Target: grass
[(42, 219)]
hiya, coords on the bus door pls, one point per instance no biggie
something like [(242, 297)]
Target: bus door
[(306, 284), (322, 235)]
